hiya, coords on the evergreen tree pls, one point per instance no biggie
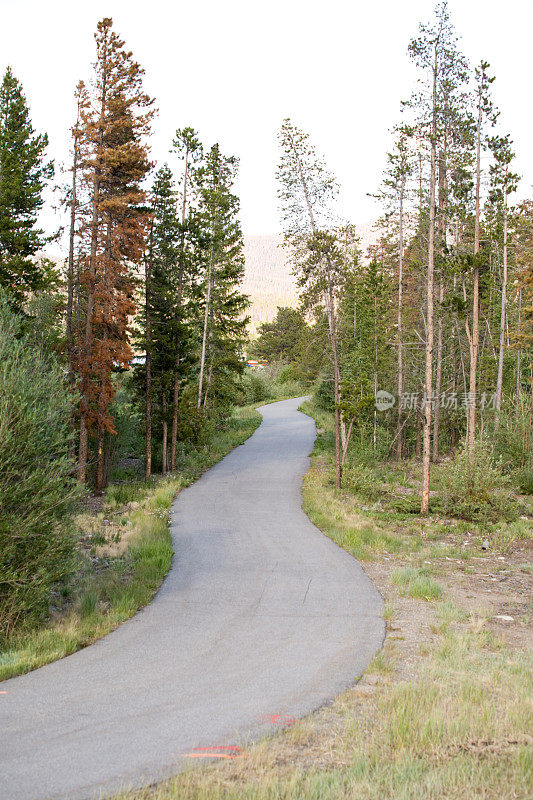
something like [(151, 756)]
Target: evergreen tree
[(23, 177), (281, 339), (114, 128), (187, 145), (164, 329), (223, 304)]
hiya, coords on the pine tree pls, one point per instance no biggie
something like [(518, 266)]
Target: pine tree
[(24, 174), (114, 128), (162, 320), (224, 306)]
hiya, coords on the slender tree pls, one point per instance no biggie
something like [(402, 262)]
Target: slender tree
[(306, 189), (503, 183), (435, 52), (485, 111)]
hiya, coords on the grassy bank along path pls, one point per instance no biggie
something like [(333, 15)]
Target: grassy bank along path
[(126, 552)]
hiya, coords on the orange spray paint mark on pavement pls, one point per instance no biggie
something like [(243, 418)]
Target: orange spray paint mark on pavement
[(278, 719)]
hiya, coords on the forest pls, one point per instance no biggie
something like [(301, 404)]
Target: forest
[(129, 358)]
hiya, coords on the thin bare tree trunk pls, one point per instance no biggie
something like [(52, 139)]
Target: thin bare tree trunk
[(438, 376), (442, 238), (519, 354), (148, 364), (208, 382), (164, 467), (175, 390), (99, 484), (499, 381), (474, 345), (204, 336), (426, 447), (83, 445), (418, 445), (399, 426)]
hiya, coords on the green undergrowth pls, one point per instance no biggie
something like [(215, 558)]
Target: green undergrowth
[(109, 590), (377, 512)]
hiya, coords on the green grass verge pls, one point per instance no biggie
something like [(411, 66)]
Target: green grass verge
[(112, 595)]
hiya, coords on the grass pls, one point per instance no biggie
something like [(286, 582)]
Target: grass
[(417, 583), (106, 596)]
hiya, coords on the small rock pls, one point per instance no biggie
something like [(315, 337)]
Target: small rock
[(504, 617)]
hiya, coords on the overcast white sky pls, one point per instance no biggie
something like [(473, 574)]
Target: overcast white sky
[(233, 70)]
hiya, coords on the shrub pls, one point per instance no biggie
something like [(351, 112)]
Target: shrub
[(514, 443), (363, 481), (37, 492), (256, 388), (474, 486)]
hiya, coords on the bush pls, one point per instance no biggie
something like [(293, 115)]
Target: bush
[(256, 389), (514, 444), (37, 492), (363, 481), (474, 486)]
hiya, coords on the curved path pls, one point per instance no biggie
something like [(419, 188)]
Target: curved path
[(261, 614)]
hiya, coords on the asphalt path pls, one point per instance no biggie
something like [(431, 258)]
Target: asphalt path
[(261, 615)]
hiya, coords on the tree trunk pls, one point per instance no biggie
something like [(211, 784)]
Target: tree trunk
[(336, 383), (399, 425), (438, 378), (165, 436), (418, 445), (519, 354), (474, 345), (82, 466), (175, 408), (70, 291), (204, 337), (99, 483), (499, 381), (148, 363), (426, 447), (175, 391), (442, 242)]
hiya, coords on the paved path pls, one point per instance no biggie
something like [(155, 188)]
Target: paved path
[(261, 614)]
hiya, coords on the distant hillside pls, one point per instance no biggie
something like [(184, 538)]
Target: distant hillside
[(268, 278)]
